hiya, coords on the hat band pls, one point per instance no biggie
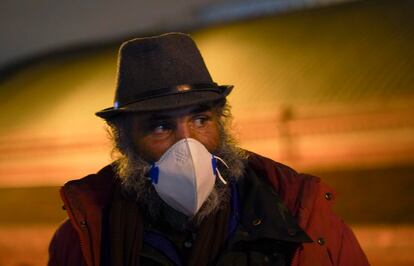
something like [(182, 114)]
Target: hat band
[(184, 88)]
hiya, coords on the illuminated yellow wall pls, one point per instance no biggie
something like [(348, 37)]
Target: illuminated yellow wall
[(314, 89)]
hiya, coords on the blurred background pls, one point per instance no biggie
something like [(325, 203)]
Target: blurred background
[(324, 86)]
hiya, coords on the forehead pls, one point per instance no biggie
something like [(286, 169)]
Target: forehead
[(173, 113)]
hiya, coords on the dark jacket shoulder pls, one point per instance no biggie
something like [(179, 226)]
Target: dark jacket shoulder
[(292, 187)]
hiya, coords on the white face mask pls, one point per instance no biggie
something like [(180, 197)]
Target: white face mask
[(185, 175)]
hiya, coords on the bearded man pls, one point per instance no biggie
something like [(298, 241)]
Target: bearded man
[(180, 191)]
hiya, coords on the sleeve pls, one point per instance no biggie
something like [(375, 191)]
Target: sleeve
[(349, 251), (342, 246), (334, 242), (64, 248)]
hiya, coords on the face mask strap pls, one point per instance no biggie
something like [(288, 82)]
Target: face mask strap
[(221, 160), (215, 169)]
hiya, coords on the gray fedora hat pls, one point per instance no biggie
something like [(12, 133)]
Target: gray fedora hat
[(162, 72)]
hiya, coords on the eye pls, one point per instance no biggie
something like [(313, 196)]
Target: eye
[(161, 127), (201, 120)]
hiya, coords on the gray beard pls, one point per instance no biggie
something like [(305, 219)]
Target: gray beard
[(133, 172)]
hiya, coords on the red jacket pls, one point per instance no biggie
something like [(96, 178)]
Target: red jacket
[(78, 240)]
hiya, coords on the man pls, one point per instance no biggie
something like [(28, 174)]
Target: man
[(181, 192)]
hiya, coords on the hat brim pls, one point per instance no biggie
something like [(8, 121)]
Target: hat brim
[(172, 101)]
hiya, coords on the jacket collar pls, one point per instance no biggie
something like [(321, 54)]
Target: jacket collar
[(264, 217), (85, 201), (262, 213)]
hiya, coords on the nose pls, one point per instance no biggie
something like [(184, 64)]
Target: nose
[(183, 129)]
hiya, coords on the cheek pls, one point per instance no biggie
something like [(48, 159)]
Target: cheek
[(210, 138), (151, 150)]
